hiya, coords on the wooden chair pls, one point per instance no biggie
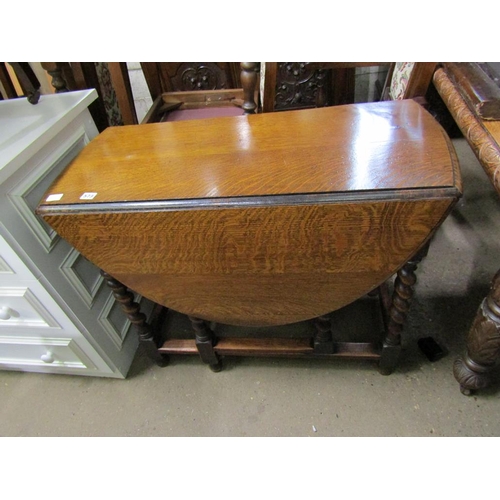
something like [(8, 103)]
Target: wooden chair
[(286, 86), (107, 110), (408, 80), (28, 81), (183, 91)]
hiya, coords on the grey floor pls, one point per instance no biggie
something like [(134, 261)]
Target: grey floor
[(283, 397)]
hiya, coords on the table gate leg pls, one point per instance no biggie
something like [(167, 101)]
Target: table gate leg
[(323, 339), (205, 340), (133, 311), (401, 300)]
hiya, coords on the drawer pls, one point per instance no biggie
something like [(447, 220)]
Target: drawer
[(44, 354), (27, 308), (12, 268)]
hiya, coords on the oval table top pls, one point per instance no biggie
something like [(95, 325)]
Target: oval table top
[(394, 145)]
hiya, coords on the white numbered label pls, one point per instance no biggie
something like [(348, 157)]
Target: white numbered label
[(88, 196), (54, 197)]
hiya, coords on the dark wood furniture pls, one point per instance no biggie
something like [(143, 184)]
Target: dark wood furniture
[(408, 80), (262, 220), (28, 82), (302, 85), (473, 98), (186, 90)]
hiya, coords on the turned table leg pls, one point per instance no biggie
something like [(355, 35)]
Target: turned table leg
[(398, 311), (133, 311), (323, 338), (205, 340), (482, 344)]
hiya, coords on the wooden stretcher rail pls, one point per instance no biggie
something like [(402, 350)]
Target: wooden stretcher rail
[(273, 347)]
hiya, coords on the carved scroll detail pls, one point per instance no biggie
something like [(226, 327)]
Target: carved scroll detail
[(297, 85), (200, 76), (483, 343)]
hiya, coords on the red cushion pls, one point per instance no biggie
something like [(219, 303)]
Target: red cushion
[(195, 114)]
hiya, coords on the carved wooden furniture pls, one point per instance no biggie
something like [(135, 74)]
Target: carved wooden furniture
[(301, 85), (473, 99), (265, 219), (408, 80), (187, 90), (56, 315), (114, 106), (28, 82)]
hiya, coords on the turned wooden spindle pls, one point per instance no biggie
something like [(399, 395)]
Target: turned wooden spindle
[(398, 312), (323, 339), (205, 340), (249, 74), (55, 70), (472, 370), (133, 312)]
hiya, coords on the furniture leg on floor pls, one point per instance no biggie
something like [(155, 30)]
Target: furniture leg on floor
[(132, 309)]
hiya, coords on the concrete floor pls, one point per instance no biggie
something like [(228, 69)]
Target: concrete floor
[(283, 397)]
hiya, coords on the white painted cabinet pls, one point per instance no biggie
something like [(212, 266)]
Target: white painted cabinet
[(56, 313)]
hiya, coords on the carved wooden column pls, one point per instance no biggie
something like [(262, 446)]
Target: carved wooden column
[(205, 340), (482, 344), (249, 74), (133, 311), (398, 312)]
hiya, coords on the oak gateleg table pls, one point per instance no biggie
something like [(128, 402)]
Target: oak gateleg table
[(262, 220)]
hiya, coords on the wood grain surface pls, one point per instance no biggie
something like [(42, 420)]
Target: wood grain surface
[(352, 148), (482, 135), (255, 266)]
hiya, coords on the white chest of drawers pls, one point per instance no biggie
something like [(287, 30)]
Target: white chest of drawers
[(56, 313)]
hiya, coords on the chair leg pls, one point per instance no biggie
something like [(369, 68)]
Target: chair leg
[(205, 340)]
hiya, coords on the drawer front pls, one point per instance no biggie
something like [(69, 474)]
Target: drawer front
[(47, 354), (28, 308), (12, 269)]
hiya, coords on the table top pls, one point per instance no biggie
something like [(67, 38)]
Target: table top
[(337, 151), (25, 128)]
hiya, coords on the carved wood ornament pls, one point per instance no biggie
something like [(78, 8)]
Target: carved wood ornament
[(297, 85)]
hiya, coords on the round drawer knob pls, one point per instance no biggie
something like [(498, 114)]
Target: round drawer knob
[(47, 357), (4, 312)]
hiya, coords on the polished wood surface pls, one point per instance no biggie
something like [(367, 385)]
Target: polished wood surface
[(264, 219), (352, 148), (480, 92), (260, 265)]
